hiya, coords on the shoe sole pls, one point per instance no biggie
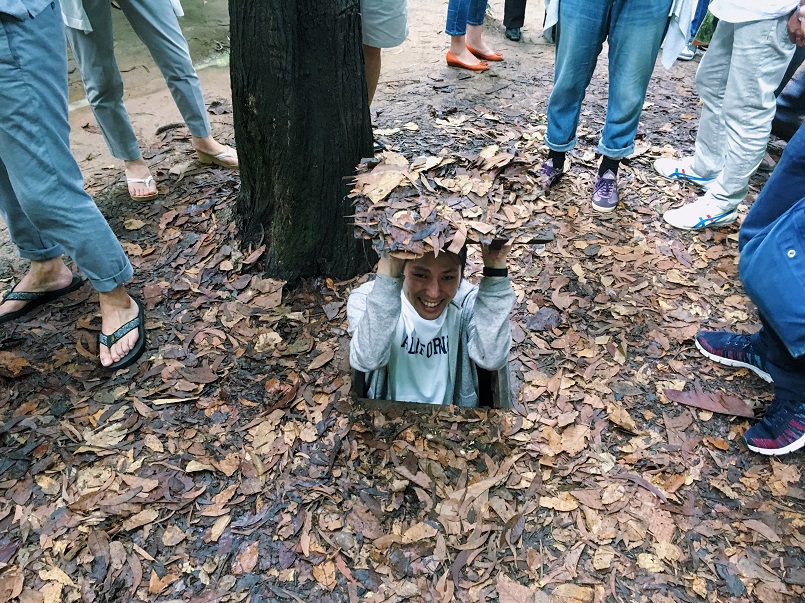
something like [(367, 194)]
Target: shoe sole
[(45, 297), (716, 223), (604, 209), (736, 363), (792, 447)]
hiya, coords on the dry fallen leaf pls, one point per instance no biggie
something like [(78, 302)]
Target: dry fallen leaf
[(173, 535), (324, 574), (246, 561), (140, 519)]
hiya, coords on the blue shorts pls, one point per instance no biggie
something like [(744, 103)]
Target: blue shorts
[(385, 22)]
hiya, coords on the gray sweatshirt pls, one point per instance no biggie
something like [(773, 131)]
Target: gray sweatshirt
[(484, 339)]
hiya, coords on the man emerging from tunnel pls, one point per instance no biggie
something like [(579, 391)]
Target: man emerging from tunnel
[(420, 332)]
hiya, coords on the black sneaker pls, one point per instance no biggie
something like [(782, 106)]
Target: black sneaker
[(780, 431), (732, 349)]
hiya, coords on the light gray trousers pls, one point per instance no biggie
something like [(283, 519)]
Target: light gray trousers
[(156, 25), (736, 80), (42, 198)]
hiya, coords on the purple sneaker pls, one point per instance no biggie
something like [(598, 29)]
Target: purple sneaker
[(780, 431), (550, 175), (605, 192)]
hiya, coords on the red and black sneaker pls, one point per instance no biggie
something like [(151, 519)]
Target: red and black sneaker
[(780, 431), (732, 349)]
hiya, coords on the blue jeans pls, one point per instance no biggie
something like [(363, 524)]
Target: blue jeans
[(772, 266), (461, 13), (634, 30), (42, 198), (698, 17)]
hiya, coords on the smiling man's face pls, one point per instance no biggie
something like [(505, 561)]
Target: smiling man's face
[(431, 282)]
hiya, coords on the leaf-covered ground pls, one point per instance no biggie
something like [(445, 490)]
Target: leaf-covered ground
[(232, 465)]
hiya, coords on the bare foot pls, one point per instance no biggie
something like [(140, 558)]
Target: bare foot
[(48, 275), (211, 147), (458, 46), (476, 40), (138, 170), (117, 308)]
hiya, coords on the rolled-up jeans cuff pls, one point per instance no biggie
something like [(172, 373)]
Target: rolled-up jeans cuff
[(42, 255), (106, 284), (615, 153), (561, 148)]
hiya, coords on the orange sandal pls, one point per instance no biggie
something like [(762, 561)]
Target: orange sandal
[(454, 61), (495, 56)]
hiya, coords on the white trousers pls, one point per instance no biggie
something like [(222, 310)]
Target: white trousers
[(736, 80)]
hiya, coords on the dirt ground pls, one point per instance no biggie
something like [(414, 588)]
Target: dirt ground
[(232, 463)]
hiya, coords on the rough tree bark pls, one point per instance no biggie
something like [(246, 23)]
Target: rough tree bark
[(301, 124)]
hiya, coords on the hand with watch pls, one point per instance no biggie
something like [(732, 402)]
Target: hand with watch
[(494, 257)]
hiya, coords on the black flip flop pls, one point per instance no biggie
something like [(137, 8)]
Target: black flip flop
[(134, 354), (36, 299)]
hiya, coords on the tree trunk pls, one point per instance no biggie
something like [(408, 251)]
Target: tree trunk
[(301, 124)]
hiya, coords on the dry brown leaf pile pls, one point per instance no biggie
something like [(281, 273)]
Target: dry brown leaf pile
[(438, 202)]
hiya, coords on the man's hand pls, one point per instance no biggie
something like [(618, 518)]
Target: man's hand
[(796, 26), (495, 258), (390, 266)]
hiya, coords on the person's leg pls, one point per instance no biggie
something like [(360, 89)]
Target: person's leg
[(780, 193), (384, 25), (711, 82), (698, 17), (456, 27), (514, 14), (371, 59), (475, 30), (94, 55), (580, 36), (636, 30), (156, 25), (43, 195), (772, 269), (761, 52)]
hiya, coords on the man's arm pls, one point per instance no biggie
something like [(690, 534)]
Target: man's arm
[(489, 335), (373, 310)]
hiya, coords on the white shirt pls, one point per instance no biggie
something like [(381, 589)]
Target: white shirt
[(419, 365), (741, 11)]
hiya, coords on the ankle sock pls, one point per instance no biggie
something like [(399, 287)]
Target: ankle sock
[(607, 163), (558, 159)]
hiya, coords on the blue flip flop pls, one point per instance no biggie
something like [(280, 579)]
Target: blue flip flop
[(36, 298), (134, 354)]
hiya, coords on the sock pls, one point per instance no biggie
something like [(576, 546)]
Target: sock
[(607, 163), (558, 159)]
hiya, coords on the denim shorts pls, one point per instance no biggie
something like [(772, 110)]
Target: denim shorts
[(385, 22)]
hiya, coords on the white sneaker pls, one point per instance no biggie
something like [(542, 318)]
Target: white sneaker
[(681, 169), (702, 213), (688, 52)]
